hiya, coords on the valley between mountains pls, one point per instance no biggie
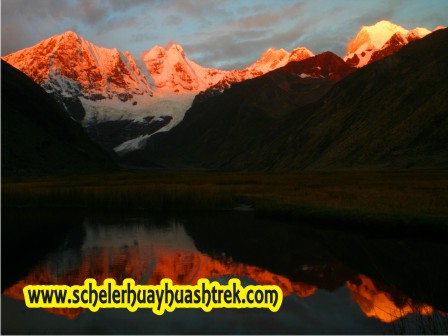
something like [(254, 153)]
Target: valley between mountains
[(329, 134)]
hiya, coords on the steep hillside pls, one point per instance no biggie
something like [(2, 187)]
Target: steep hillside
[(391, 114), (38, 137)]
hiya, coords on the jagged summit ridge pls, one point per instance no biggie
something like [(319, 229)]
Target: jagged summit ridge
[(374, 36), (98, 85), (380, 40), (173, 71), (273, 59), (153, 92), (67, 65)]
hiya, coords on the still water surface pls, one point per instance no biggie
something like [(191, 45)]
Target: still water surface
[(329, 286)]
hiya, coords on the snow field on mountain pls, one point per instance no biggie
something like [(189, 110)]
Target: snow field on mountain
[(162, 104)]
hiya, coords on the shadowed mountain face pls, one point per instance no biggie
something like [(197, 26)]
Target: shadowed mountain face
[(391, 114), (38, 137), (388, 115), (220, 131)]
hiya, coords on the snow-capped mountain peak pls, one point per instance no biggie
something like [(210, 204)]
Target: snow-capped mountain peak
[(270, 60), (68, 36), (299, 54), (100, 86), (374, 36), (176, 48), (273, 53), (419, 32), (273, 58), (172, 70), (67, 65), (380, 40)]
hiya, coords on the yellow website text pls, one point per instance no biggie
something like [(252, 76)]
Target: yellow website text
[(160, 298)]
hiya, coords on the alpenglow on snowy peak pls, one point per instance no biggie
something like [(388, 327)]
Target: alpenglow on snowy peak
[(270, 60), (275, 58), (173, 71), (67, 65), (107, 89), (100, 86), (380, 40)]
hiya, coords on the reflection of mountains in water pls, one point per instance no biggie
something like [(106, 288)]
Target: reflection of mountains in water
[(149, 254)]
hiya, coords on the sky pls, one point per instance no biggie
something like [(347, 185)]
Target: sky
[(224, 34)]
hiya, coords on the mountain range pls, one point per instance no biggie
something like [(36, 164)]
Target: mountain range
[(245, 117), (390, 114), (108, 89), (122, 102)]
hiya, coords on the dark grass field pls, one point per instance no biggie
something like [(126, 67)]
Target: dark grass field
[(416, 199)]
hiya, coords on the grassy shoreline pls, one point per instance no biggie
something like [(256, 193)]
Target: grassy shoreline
[(344, 199)]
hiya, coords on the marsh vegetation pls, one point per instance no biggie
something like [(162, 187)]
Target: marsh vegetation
[(345, 198)]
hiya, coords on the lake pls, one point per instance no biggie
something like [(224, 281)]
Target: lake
[(333, 282)]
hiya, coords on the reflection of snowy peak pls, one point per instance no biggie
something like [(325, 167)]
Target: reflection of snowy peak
[(380, 40), (70, 66)]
